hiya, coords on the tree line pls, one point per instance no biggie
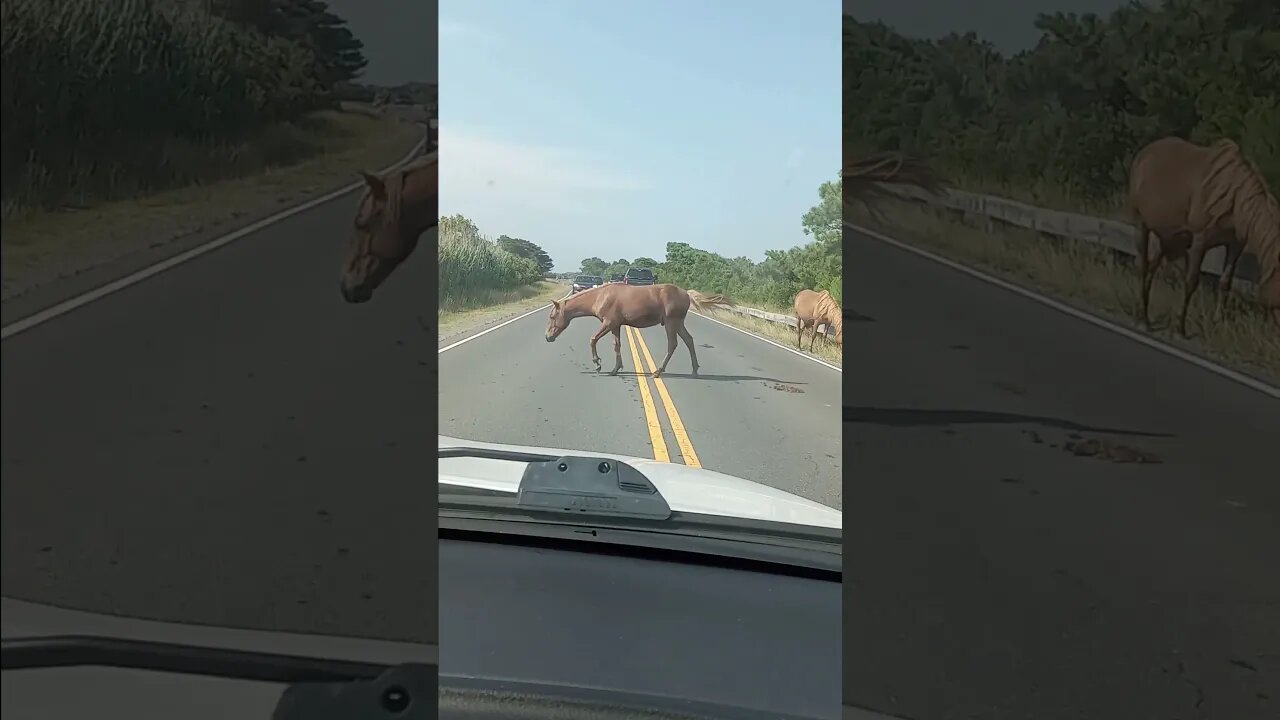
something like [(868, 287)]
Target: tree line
[(770, 283), (112, 94), (1067, 116)]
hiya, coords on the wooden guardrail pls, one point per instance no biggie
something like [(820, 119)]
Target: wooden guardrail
[(1120, 237)]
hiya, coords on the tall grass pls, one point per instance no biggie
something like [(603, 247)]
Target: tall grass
[(473, 268), (105, 99)]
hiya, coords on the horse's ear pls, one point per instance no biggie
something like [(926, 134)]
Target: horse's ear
[(556, 303), (375, 184)]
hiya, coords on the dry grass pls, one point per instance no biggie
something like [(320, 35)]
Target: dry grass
[(41, 246), (1093, 278), (455, 317), (824, 348)]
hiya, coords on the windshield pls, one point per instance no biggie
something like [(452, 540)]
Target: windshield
[(703, 377), (212, 440)]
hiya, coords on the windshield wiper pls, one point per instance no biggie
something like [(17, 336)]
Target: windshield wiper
[(318, 688), (576, 485)]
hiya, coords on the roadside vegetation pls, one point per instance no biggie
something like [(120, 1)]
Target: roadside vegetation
[(130, 125), (1057, 126), (106, 100), (478, 272), (770, 284)]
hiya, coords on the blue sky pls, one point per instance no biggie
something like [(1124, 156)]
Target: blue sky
[(610, 128)]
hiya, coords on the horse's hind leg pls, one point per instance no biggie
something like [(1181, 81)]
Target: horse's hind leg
[(671, 347), (1147, 267), (814, 338), (617, 350), (1234, 249), (799, 334), (688, 342)]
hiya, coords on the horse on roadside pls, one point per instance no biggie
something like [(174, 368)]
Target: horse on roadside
[(638, 306), (1194, 198), (394, 211), (814, 309)]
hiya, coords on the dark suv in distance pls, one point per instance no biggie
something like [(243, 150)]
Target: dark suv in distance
[(582, 282), (640, 276), (617, 278)]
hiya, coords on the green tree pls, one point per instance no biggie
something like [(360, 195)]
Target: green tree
[(526, 249), (825, 221), (1065, 118), (594, 266)]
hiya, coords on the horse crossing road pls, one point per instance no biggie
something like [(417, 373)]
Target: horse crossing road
[(754, 410)]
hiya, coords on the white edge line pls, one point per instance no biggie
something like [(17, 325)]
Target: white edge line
[(138, 276), (1090, 318), (792, 350), (502, 324)]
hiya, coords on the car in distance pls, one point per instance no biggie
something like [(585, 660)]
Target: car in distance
[(640, 276), (584, 282)]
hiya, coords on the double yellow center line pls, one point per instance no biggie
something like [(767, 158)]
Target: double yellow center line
[(644, 372)]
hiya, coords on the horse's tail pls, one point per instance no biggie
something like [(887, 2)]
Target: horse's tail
[(703, 303)]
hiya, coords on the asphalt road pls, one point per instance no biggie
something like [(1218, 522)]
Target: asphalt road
[(230, 443), (755, 411), (992, 573)]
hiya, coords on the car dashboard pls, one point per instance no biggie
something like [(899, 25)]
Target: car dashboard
[(750, 642)]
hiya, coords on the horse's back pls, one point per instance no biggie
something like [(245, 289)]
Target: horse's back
[(806, 303), (1164, 180)]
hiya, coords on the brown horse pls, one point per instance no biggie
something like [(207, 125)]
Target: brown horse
[(1195, 198), (394, 211), (639, 306), (814, 309)]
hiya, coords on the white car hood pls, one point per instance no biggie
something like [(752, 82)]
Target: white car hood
[(686, 489)]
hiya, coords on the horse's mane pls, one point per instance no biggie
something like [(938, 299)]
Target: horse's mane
[(861, 176), (1234, 186), (394, 182), (827, 301)]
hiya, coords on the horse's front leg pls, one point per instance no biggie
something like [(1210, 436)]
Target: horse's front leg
[(595, 357), (617, 350)]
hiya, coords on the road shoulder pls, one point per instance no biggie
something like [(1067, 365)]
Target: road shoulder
[(138, 234), (453, 327)]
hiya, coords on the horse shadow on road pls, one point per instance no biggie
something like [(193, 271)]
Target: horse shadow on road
[(914, 417), (699, 376)]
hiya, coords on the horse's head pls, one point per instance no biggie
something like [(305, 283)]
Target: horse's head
[(377, 246), (557, 321)]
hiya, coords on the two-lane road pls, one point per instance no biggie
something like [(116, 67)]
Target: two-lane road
[(754, 411), (229, 443), (1005, 556)]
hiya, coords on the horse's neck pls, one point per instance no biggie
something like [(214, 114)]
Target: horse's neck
[(577, 307)]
